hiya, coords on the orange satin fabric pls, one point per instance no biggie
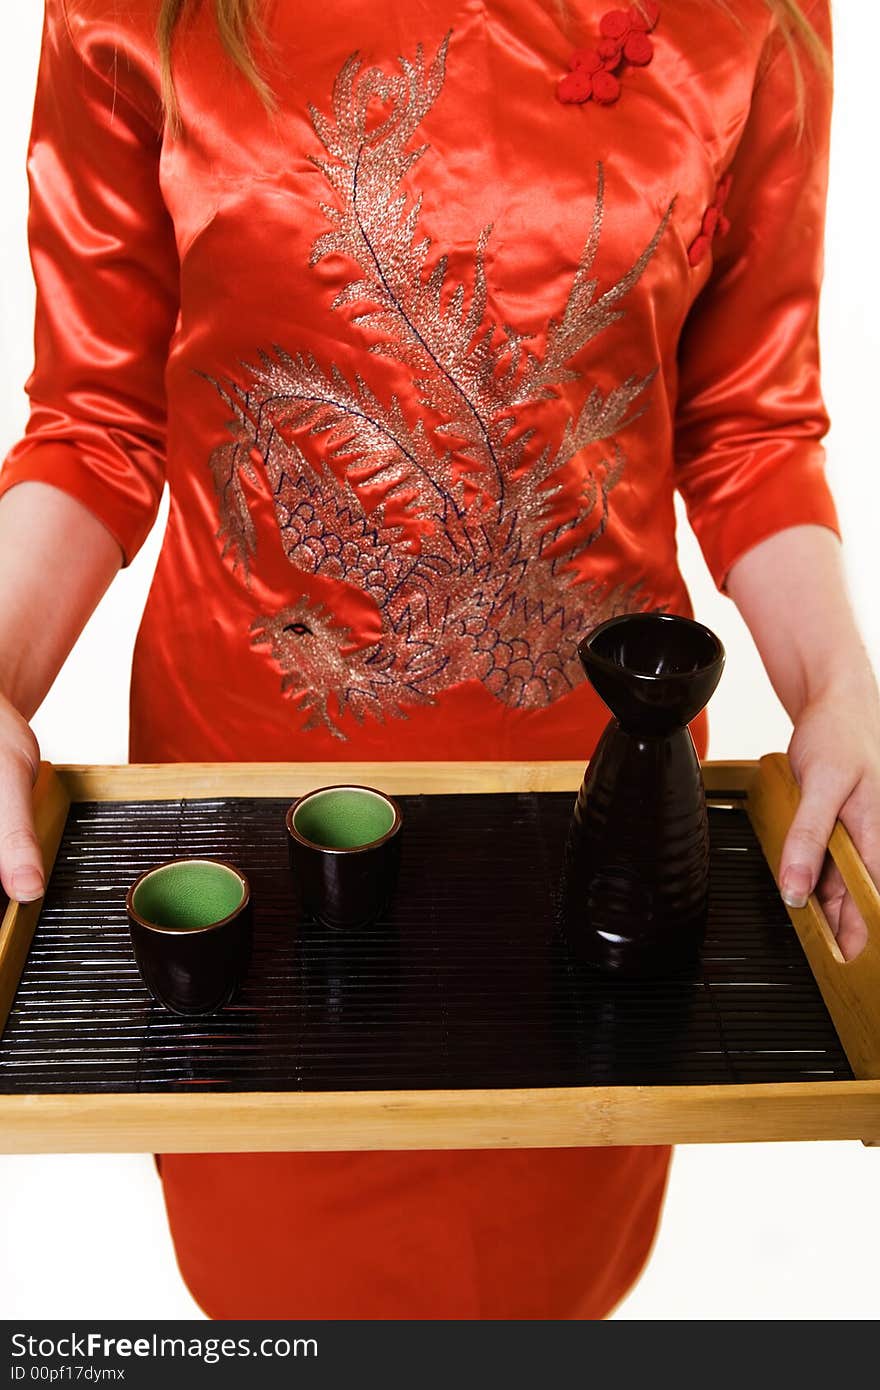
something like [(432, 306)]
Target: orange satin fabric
[(395, 503)]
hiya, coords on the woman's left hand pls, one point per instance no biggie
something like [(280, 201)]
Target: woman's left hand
[(791, 590), (835, 756)]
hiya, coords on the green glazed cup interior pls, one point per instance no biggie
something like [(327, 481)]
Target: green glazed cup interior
[(187, 895), (343, 817)]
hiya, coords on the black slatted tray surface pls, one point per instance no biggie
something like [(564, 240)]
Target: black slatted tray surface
[(468, 982)]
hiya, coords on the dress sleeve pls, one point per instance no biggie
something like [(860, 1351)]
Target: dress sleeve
[(106, 271), (750, 416)]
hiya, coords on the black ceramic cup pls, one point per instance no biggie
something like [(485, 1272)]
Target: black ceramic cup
[(344, 844), (190, 923)]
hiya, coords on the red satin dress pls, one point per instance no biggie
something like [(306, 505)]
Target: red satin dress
[(423, 358)]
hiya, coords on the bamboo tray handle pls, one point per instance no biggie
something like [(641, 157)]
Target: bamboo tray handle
[(851, 989)]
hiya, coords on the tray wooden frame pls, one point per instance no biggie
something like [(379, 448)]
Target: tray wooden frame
[(487, 1118)]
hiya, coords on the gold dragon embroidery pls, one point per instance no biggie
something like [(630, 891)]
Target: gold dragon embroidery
[(480, 595)]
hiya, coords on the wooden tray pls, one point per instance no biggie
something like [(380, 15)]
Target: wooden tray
[(450, 1024)]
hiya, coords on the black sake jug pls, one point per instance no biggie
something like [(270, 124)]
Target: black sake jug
[(636, 878)]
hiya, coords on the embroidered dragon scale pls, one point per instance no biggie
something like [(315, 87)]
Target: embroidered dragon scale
[(478, 595)]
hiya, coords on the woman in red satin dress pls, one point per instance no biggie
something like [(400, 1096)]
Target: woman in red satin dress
[(423, 356)]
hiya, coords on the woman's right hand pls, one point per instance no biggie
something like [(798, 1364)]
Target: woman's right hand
[(21, 862), (56, 560)]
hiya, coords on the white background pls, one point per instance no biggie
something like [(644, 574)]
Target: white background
[(756, 1231)]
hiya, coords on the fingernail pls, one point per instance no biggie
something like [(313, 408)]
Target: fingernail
[(796, 886), (26, 885)]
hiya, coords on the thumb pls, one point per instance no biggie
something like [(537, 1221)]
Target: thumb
[(806, 844), (21, 860)]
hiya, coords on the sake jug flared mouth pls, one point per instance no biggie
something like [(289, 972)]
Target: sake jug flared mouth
[(653, 670), (653, 646)]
